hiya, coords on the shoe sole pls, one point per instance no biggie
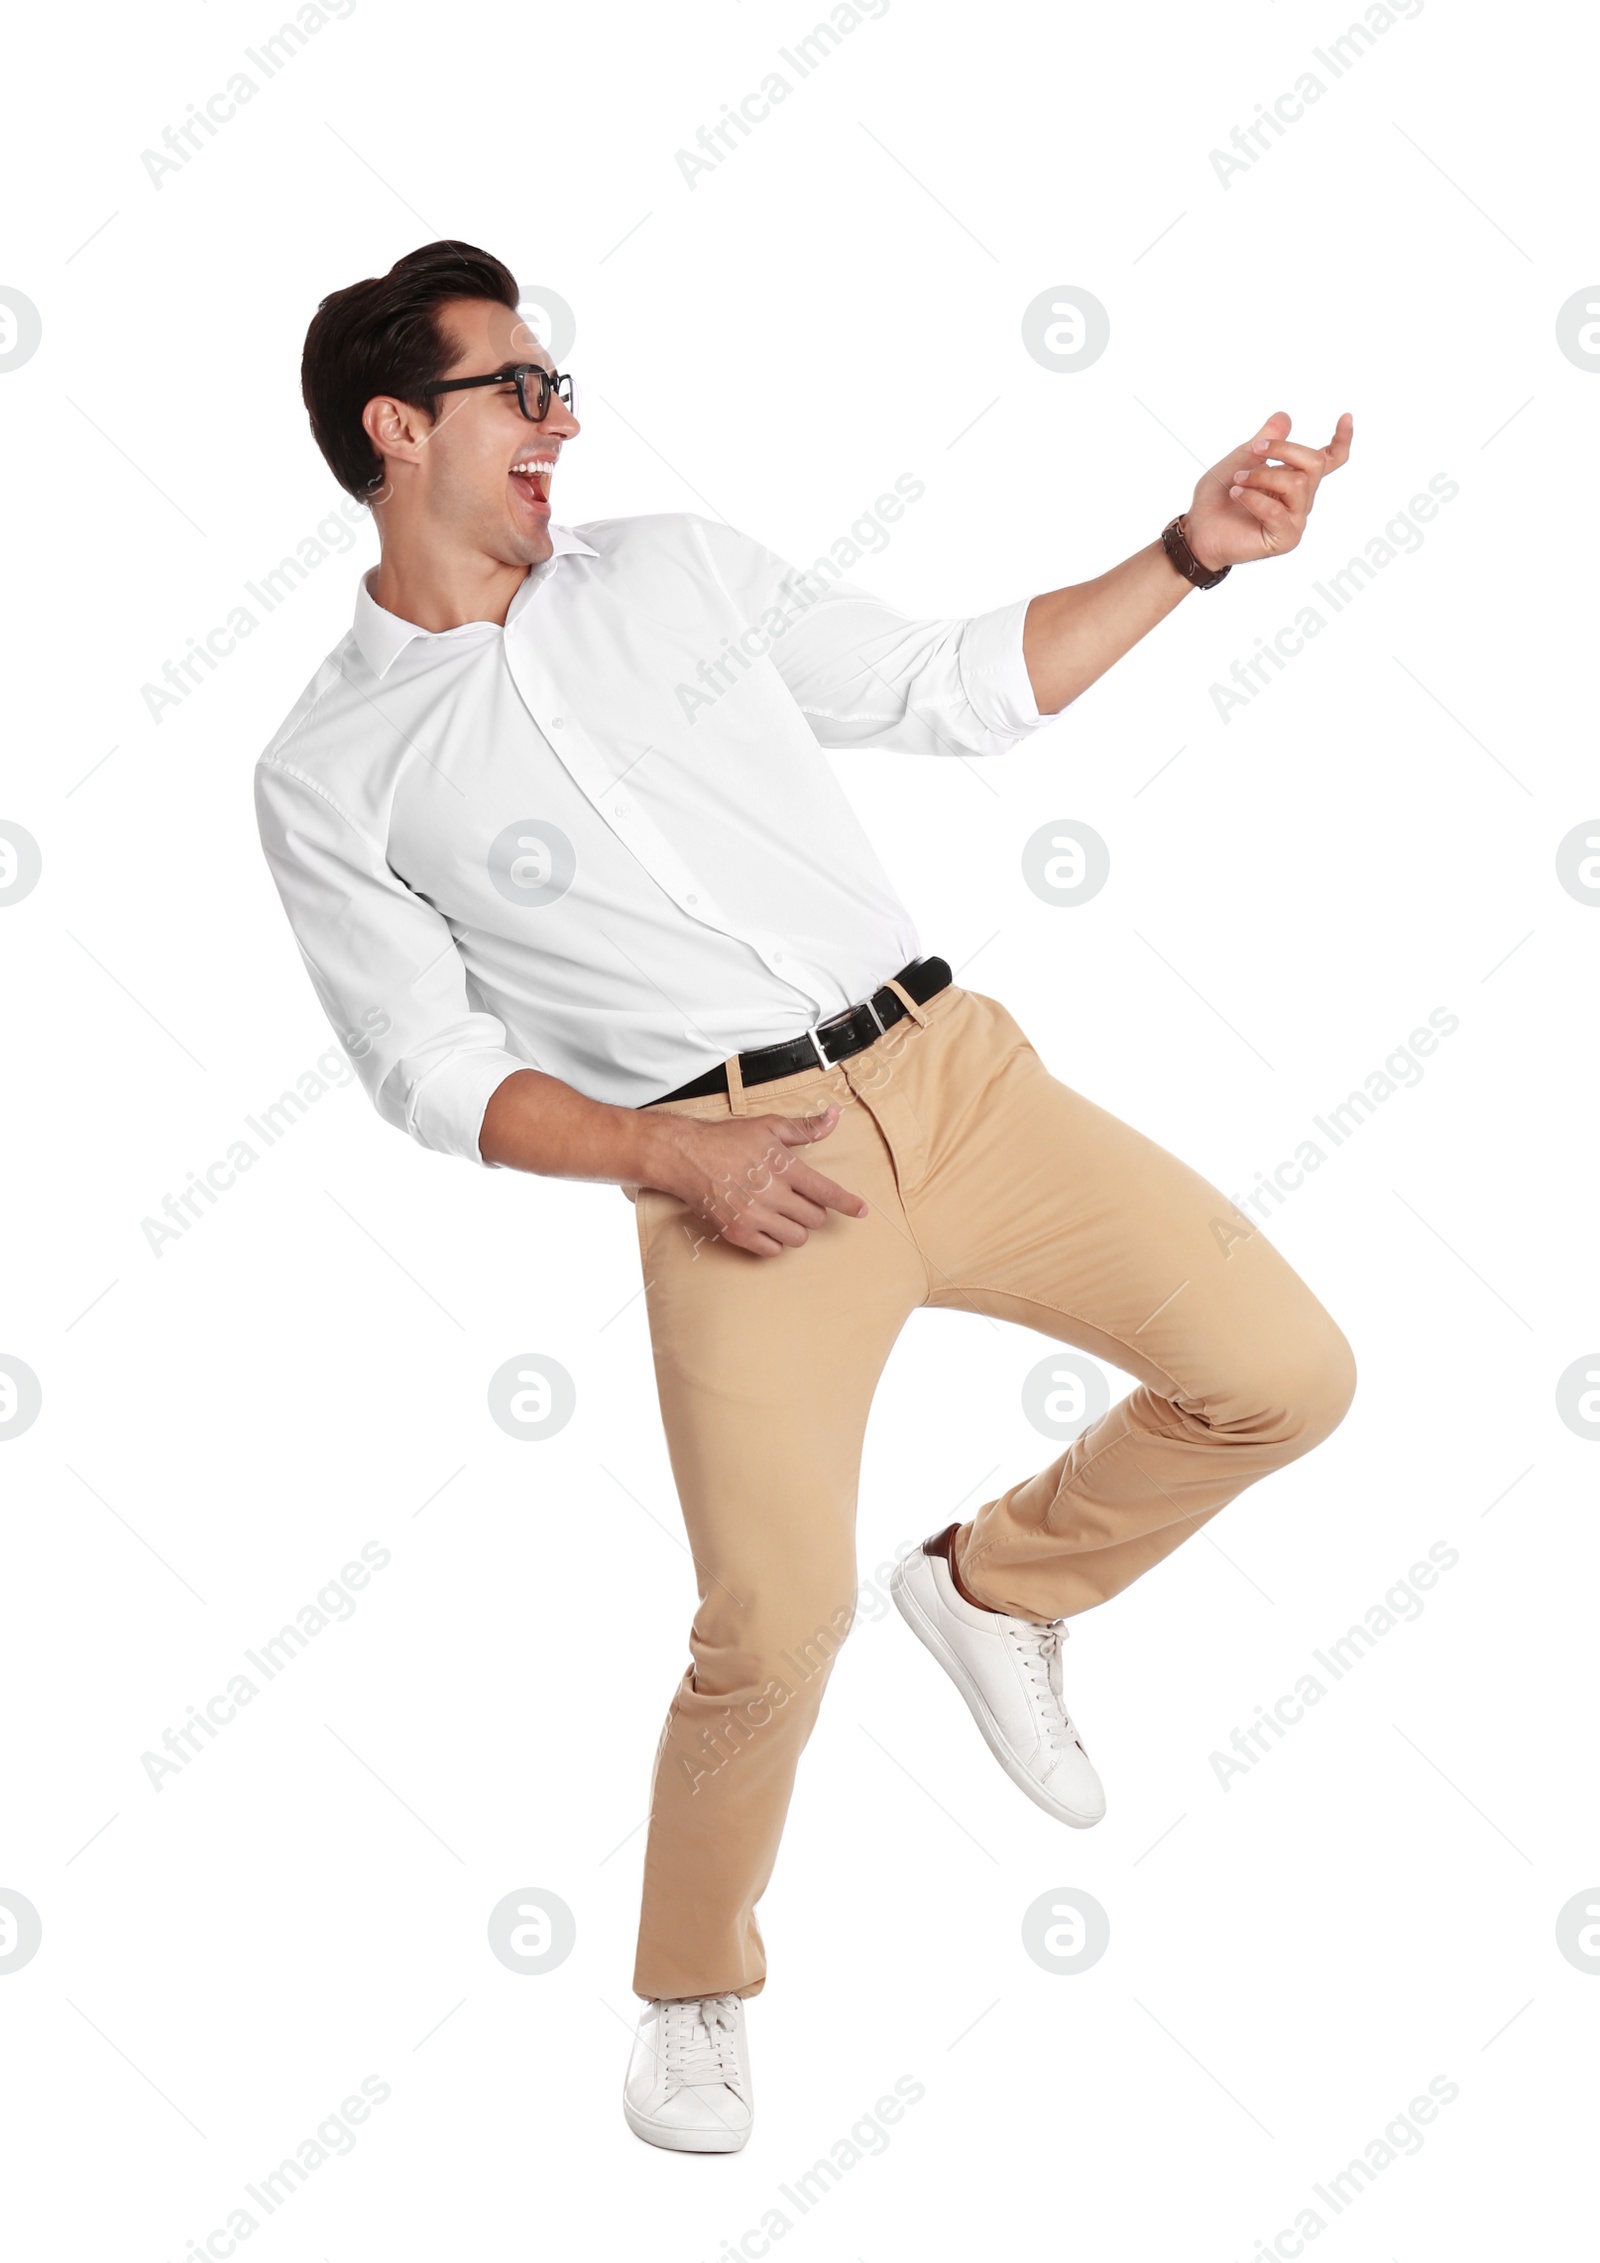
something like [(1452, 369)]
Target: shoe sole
[(933, 1641), (672, 2140)]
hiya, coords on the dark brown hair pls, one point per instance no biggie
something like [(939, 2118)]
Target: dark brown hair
[(385, 336)]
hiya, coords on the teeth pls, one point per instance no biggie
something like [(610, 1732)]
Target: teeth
[(545, 464)]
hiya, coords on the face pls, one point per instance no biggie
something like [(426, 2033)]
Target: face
[(478, 476)]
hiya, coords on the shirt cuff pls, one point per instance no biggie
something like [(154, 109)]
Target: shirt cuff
[(994, 674), (447, 1107)]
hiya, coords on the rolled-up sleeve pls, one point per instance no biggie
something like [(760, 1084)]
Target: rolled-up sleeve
[(384, 965), (866, 675)]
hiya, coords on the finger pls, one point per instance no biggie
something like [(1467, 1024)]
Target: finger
[(779, 1183), (1267, 440), (1337, 451), (780, 1168), (759, 1218), (1267, 508), (788, 1202), (1273, 429), (1275, 518), (757, 1243), (798, 1131), (1292, 452), (1291, 487), (828, 1192)]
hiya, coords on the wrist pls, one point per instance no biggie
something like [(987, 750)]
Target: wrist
[(1194, 567), (1175, 587), (651, 1152), (1197, 550)]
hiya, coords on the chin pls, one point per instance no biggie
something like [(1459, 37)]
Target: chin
[(532, 549)]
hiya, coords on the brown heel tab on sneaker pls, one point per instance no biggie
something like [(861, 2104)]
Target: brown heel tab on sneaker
[(942, 1544)]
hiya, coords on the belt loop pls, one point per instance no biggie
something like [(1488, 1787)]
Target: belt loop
[(919, 1014), (735, 1084)]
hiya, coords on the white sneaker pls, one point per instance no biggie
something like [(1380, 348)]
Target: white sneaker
[(1009, 1672), (688, 2085)]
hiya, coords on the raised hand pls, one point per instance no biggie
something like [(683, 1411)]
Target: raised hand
[(1255, 500)]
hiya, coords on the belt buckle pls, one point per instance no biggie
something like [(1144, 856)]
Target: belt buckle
[(845, 1014), (848, 1014)]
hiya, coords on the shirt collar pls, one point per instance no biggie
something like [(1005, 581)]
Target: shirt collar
[(382, 636)]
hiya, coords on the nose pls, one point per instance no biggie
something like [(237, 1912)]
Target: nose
[(560, 420)]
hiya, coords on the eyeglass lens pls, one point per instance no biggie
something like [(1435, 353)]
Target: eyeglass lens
[(536, 389)]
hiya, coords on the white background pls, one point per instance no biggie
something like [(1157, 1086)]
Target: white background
[(1292, 1958)]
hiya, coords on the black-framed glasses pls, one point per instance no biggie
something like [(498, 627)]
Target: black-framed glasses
[(550, 381)]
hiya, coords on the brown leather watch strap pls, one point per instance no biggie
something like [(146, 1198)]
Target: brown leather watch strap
[(1176, 546)]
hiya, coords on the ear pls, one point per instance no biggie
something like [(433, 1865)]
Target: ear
[(398, 430)]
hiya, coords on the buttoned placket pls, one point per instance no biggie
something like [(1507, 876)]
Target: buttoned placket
[(586, 765)]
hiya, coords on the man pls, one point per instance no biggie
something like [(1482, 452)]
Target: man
[(582, 896)]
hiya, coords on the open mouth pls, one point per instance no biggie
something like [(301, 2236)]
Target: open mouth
[(531, 477)]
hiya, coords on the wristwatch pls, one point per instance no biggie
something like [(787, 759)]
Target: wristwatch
[(1177, 549)]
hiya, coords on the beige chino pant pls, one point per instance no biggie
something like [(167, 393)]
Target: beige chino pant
[(995, 1189)]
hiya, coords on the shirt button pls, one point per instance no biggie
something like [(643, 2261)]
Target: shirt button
[(691, 899), (777, 958), (621, 808), (556, 722)]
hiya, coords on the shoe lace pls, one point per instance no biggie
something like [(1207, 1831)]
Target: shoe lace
[(1039, 1648), (698, 2040)]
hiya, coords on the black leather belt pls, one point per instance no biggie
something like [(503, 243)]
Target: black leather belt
[(835, 1039)]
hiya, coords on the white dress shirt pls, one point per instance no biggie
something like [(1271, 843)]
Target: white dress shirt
[(602, 840)]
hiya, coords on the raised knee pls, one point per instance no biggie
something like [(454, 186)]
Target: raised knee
[(1311, 1394), (1335, 1385)]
